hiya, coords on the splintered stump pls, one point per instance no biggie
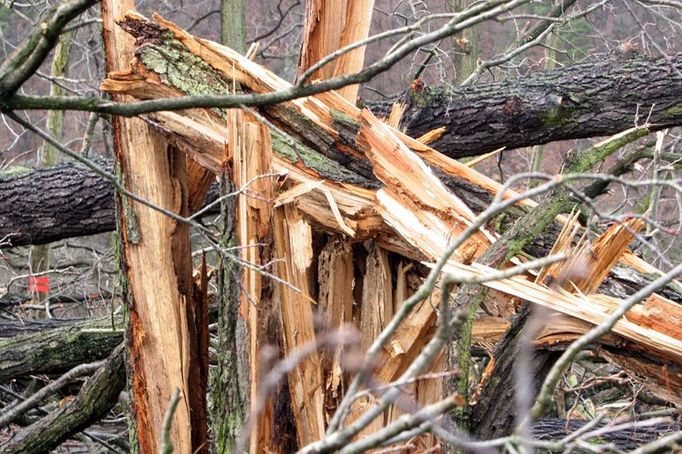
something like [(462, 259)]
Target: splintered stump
[(166, 353), (357, 178)]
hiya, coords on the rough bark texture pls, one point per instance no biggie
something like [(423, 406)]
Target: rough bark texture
[(94, 400), (58, 202), (64, 201), (626, 440), (490, 419), (59, 349), (587, 100)]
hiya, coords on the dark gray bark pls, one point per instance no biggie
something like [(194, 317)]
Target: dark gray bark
[(587, 100), (491, 418), (628, 439), (51, 204), (58, 202)]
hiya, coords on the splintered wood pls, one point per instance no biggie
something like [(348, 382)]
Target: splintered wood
[(250, 148), (359, 206), (165, 345), (331, 25), (293, 249)]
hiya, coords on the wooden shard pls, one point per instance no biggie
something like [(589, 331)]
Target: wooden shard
[(249, 145), (331, 25), (294, 252)]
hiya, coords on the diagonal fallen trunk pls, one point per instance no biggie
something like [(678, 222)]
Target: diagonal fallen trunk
[(579, 101)]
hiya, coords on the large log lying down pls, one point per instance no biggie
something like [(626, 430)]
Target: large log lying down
[(626, 439), (54, 203), (342, 156), (586, 100), (50, 204)]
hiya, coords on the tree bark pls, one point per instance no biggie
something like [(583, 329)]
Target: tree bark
[(625, 440), (59, 349), (586, 100), (94, 400), (58, 202), (490, 418), (64, 201)]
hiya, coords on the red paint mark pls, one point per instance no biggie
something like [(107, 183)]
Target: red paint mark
[(38, 284)]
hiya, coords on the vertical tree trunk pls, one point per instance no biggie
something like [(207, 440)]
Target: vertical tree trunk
[(233, 24), (232, 379), (164, 343), (466, 45), (40, 255)]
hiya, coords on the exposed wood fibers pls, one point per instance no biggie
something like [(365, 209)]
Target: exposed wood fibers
[(413, 214)]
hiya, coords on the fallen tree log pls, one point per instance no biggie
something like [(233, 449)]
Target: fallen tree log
[(64, 201), (45, 205), (625, 439), (59, 349), (94, 400), (575, 102)]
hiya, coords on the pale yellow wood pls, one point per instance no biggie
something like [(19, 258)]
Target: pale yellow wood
[(249, 145), (331, 25), (335, 278), (293, 249), (157, 253)]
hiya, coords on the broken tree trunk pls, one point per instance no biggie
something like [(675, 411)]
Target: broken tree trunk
[(477, 119), (165, 349), (329, 26), (329, 115)]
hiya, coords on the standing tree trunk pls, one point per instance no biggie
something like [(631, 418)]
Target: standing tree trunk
[(165, 351), (466, 46), (40, 255)]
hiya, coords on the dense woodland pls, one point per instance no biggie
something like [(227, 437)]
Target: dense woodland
[(340, 226)]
